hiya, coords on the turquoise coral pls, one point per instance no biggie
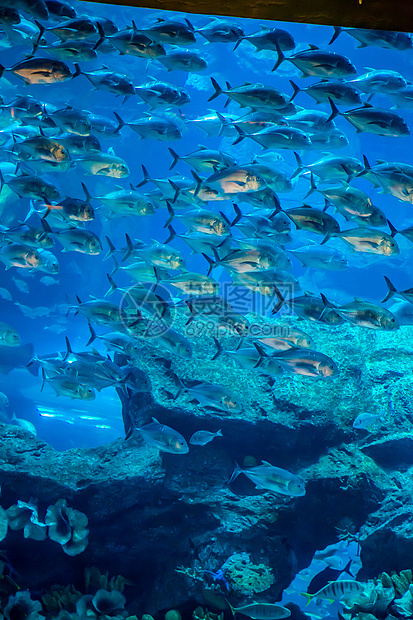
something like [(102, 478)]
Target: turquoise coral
[(246, 577)]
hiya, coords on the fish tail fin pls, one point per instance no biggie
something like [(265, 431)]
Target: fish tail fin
[(211, 262), (219, 433), (238, 215), (172, 234), (299, 168), (337, 31), (241, 134), (176, 189), (198, 181), (44, 379), (30, 212), (37, 42), (237, 471), (327, 205), (102, 36), (146, 177), (192, 310), (219, 351), (1, 174), (45, 226), (240, 343), (296, 90), (68, 349), (2, 70), (181, 387), (327, 237), (313, 187), (116, 267), (309, 597), (175, 156), (261, 353), (280, 56), (121, 123), (171, 215), (346, 569), (217, 89), (92, 335), (327, 305), (393, 230), (367, 167), (112, 287), (130, 248), (391, 290), (224, 122), (234, 48), (111, 250), (88, 195), (334, 110), (230, 606), (78, 71), (279, 304)]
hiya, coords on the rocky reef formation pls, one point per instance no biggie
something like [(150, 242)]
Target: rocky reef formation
[(178, 530), (137, 501)]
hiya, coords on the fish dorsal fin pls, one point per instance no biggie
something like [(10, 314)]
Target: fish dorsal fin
[(92, 297), (110, 151), (266, 463), (119, 187), (95, 351), (202, 147), (313, 47), (155, 421), (358, 300)]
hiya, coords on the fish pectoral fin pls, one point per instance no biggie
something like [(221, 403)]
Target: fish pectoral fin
[(381, 124)]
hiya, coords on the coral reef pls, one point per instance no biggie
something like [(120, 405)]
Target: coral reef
[(246, 577), (62, 524), (389, 596), (68, 527), (136, 499)]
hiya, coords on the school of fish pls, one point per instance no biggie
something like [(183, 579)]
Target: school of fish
[(245, 215)]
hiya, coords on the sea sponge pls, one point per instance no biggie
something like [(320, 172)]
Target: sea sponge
[(21, 607), (24, 516), (404, 605), (245, 577), (108, 603), (68, 527)]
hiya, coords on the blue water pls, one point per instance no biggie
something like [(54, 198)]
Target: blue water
[(69, 423)]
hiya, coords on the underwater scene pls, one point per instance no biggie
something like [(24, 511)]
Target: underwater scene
[(206, 317)]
